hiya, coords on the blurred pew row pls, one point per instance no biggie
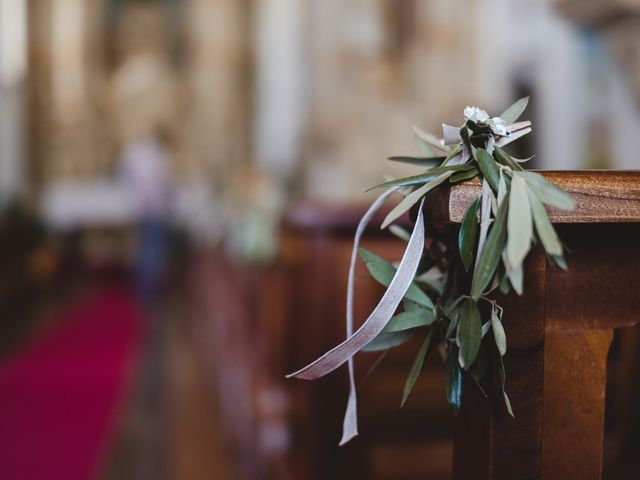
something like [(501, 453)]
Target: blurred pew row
[(263, 321)]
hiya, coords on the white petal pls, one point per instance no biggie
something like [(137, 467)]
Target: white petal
[(476, 114)]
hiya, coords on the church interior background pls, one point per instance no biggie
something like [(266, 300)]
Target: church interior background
[(270, 117)]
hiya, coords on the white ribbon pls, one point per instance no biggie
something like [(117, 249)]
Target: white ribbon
[(377, 320), (519, 129), (451, 134)]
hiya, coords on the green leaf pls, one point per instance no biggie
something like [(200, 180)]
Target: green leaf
[(546, 232), (464, 175), (453, 381), (519, 223), (505, 159), (454, 153), (420, 161), (494, 203), (512, 113), (433, 279), (504, 285), (490, 256), (453, 324), (400, 232), (514, 274), (429, 175), (485, 328), (469, 333), (499, 334), (502, 188), (521, 160), (503, 381), (383, 272), (488, 167), (413, 198), (416, 368), (387, 340), (547, 192), (410, 306), (479, 367), (407, 181), (468, 234), (465, 135), (561, 262), (486, 209), (410, 319), (371, 369), (450, 308), (428, 143), (480, 140)]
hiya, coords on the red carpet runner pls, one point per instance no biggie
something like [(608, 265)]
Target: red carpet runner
[(60, 396)]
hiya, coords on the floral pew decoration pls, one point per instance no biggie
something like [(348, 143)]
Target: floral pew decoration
[(441, 291)]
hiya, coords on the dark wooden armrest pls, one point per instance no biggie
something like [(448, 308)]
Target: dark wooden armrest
[(602, 196)]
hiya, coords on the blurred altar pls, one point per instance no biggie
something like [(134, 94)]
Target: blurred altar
[(181, 163)]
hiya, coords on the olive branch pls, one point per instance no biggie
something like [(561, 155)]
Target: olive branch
[(441, 289)]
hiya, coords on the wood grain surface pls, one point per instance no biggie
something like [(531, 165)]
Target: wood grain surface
[(602, 196)]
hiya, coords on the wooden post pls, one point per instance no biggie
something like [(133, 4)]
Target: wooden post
[(575, 365), (489, 444)]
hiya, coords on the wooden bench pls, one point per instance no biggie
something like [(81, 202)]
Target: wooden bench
[(559, 333)]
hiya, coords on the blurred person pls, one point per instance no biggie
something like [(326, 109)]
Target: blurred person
[(146, 175)]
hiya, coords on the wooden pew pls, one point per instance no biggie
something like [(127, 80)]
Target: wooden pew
[(559, 333)]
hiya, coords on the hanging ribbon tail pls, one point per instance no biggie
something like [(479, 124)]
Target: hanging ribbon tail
[(350, 423), (380, 315)]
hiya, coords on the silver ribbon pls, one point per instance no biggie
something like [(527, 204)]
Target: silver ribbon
[(377, 320), (519, 129), (350, 422)]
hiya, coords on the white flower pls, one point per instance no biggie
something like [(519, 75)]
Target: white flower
[(476, 115), (499, 126)]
